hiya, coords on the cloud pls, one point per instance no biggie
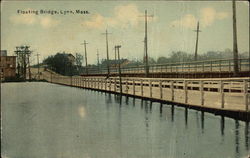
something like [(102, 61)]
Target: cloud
[(207, 18), (48, 22), (123, 16), (31, 19), (27, 19), (188, 21), (209, 15), (97, 21)]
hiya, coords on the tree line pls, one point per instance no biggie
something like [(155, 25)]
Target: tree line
[(68, 64)]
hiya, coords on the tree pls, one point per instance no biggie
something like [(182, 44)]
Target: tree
[(162, 60), (61, 63), (79, 61)]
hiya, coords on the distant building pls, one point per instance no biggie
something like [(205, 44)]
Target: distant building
[(7, 65)]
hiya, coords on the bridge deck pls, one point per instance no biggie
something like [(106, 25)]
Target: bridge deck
[(218, 94)]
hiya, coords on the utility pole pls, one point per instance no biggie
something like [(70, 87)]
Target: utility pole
[(23, 53), (106, 33), (29, 66), (115, 59), (197, 39), (235, 46), (86, 59), (38, 71), (146, 44), (28, 53), (98, 63), (119, 66)]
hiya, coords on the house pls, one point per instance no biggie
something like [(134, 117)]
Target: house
[(7, 65)]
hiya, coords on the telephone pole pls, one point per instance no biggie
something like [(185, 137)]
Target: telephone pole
[(119, 66), (197, 39), (38, 71), (235, 46), (98, 63), (146, 43), (106, 33), (86, 59)]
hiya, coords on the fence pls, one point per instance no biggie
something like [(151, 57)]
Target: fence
[(227, 94), (223, 65)]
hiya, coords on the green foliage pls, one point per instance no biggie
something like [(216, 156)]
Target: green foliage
[(61, 63)]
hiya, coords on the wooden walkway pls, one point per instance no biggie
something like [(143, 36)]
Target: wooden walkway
[(218, 94)]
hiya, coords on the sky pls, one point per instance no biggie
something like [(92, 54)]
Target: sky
[(171, 28)]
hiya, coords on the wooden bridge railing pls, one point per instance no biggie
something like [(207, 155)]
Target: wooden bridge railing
[(222, 65), (227, 94)]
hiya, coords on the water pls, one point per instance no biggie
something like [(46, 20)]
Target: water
[(42, 120)]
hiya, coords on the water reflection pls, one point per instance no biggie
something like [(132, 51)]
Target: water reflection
[(247, 135), (172, 113), (81, 111), (186, 117), (110, 129), (150, 106), (222, 125), (237, 147), (142, 103), (161, 105), (133, 101), (127, 100)]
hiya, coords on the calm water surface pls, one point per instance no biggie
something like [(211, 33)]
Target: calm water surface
[(42, 120)]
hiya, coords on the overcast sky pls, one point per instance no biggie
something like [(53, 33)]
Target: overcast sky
[(170, 29)]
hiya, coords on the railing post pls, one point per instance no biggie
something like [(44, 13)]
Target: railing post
[(172, 90), (98, 83), (202, 92), (160, 85), (150, 88), (110, 84), (105, 82), (115, 84), (141, 87), (127, 88), (246, 94), (81, 81), (222, 94), (186, 91), (133, 86)]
